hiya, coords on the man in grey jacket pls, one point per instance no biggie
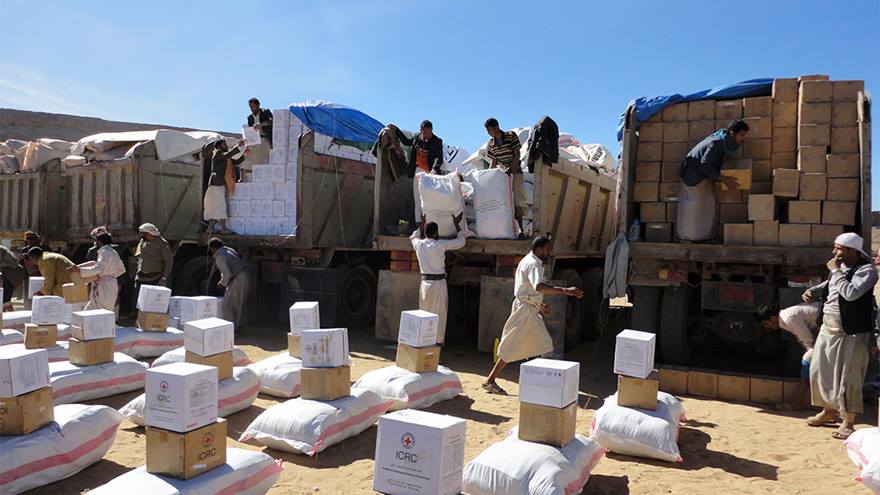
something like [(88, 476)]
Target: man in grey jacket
[(233, 277)]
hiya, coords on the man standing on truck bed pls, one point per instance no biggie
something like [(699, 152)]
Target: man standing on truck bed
[(503, 152), (261, 120), (431, 253), (699, 171), (840, 356), (153, 260), (222, 179), (427, 149), (53, 268), (233, 277), (524, 333)]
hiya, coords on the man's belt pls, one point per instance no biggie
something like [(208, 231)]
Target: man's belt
[(431, 276)]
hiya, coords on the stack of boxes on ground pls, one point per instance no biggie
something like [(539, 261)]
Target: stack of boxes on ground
[(798, 169), (548, 392), (92, 337), (417, 349), (326, 374), (304, 315), (35, 284), (419, 452), (209, 342), (152, 304), (26, 402), (184, 436), (46, 313), (637, 382)]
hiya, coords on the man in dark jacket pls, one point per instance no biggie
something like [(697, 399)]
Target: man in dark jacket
[(220, 179), (699, 171), (427, 150), (261, 120)]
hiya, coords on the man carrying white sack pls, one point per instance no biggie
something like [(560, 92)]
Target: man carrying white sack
[(524, 333), (233, 276), (840, 355), (431, 253), (107, 268)]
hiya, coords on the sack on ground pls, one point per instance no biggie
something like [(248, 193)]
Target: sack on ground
[(139, 344), (410, 390), (440, 200), (516, 467), (239, 357), (56, 353), (639, 432), (11, 337), (72, 383), (79, 437), (863, 448), (310, 426), (493, 203), (279, 375), (245, 473), (233, 395)]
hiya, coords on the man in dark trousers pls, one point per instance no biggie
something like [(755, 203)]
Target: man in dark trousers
[(261, 120), (503, 151), (699, 171), (222, 179), (427, 150)]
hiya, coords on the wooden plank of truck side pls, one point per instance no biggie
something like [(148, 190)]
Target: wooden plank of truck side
[(719, 253)]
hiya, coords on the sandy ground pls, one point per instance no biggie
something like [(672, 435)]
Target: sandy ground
[(727, 448)]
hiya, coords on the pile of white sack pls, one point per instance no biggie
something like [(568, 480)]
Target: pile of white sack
[(27, 156)]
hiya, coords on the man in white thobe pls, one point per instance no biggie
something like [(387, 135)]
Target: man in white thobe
[(524, 333), (431, 253), (840, 356), (107, 268)]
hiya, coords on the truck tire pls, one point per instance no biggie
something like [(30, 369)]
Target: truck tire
[(594, 302), (356, 297), (646, 308), (674, 343), (574, 309), (191, 279)]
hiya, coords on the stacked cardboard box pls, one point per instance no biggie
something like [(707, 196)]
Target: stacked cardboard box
[(548, 392), (304, 315), (74, 294), (152, 305), (802, 146), (326, 374), (209, 342), (46, 313), (197, 308), (25, 395), (637, 382), (417, 348), (92, 337), (184, 436)]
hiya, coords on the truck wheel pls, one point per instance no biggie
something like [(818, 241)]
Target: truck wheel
[(595, 303), (574, 309), (646, 308), (674, 343), (191, 279), (356, 297)]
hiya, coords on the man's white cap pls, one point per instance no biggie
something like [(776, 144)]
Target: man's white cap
[(149, 228), (852, 240)]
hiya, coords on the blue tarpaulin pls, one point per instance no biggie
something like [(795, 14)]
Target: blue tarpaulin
[(337, 121), (646, 107)]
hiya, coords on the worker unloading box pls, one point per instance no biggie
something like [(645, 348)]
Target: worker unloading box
[(40, 336), (419, 452), (186, 455), (548, 401), (93, 324), (47, 310), (634, 353), (208, 336), (153, 298), (180, 396), (418, 328)]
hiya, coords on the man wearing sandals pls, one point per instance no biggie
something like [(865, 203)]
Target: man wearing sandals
[(524, 333), (840, 356)]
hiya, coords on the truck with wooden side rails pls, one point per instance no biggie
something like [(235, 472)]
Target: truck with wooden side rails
[(701, 297)]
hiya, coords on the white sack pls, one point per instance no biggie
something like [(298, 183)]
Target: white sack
[(310, 426), (16, 319), (410, 390), (74, 161), (863, 448), (72, 383), (639, 432), (56, 353), (11, 337), (516, 467), (440, 199), (233, 395), (245, 473), (279, 375), (79, 437), (8, 165), (493, 204), (239, 358), (36, 153), (139, 344)]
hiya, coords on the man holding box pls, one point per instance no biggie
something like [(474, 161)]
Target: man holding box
[(431, 253), (524, 333), (840, 356), (107, 268), (154, 260), (233, 277), (53, 267), (699, 171)]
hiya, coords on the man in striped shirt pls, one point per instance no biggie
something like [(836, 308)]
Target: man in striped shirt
[(503, 152)]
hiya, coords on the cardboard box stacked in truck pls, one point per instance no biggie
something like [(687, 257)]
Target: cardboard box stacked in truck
[(798, 168)]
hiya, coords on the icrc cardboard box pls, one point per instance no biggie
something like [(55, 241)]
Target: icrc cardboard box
[(22, 371), (75, 293), (634, 353), (549, 382), (222, 361), (419, 452), (324, 348), (304, 315), (47, 310), (197, 308), (153, 298), (94, 324), (550, 425), (187, 454), (418, 328), (208, 336), (90, 352), (27, 412), (40, 336), (638, 392), (180, 396), (325, 383), (153, 322), (418, 359)]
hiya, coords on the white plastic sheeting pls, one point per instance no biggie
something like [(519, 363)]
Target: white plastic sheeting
[(410, 390), (169, 144), (640, 432)]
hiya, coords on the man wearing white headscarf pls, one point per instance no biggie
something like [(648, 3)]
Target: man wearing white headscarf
[(153, 254), (107, 268), (840, 355)]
